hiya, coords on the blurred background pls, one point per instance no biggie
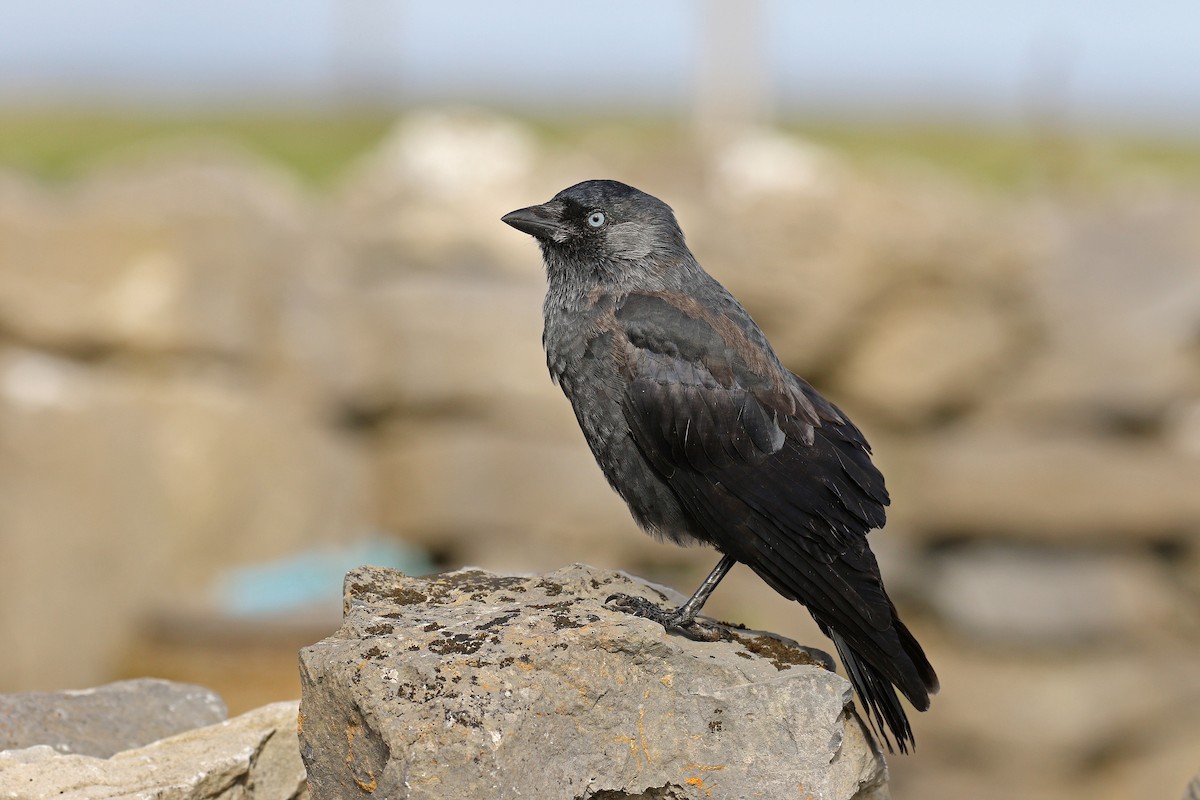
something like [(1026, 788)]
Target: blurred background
[(260, 323)]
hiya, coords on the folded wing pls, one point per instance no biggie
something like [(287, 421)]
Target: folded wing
[(774, 475)]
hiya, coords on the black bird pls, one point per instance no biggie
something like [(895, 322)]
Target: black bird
[(709, 438)]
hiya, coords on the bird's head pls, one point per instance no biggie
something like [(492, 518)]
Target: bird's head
[(598, 223)]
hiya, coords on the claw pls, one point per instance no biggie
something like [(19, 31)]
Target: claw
[(671, 620)]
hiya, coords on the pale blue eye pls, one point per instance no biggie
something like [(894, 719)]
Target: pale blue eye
[(596, 219)]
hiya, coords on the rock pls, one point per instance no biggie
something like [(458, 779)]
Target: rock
[(471, 684), (107, 719), (165, 479), (68, 433), (189, 251), (251, 757), (431, 194), (1023, 595), (455, 154), (766, 164), (1164, 758), (1193, 789), (926, 354), (995, 480), (465, 489), (1120, 297), (817, 267), (430, 342), (1054, 711)]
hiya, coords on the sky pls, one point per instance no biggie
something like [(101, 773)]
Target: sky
[(1129, 63)]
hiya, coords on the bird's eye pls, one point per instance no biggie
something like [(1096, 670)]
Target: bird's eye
[(596, 219)]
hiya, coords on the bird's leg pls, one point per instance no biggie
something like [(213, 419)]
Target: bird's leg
[(683, 619)]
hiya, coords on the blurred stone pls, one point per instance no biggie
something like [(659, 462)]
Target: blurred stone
[(948, 778), (207, 179), (453, 154), (479, 495), (432, 193), (251, 757), (1157, 764), (1120, 293), (249, 661), (765, 163), (82, 507), (928, 353), (1182, 429), (815, 269), (107, 719), (185, 251), (1192, 792), (471, 684), (996, 481), (1027, 596), (449, 344), (1061, 712), (250, 475), (190, 473)]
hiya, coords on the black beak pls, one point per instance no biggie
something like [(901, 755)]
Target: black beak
[(538, 221)]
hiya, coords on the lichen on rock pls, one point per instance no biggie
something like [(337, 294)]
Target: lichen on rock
[(513, 686)]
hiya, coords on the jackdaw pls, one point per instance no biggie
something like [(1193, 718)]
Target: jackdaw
[(709, 438)]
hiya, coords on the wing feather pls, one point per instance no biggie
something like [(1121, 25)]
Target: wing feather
[(775, 475)]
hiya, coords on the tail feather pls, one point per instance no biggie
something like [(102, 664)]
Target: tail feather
[(916, 655), (881, 705)]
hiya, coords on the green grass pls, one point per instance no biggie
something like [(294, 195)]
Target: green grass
[(318, 147), (1012, 159)]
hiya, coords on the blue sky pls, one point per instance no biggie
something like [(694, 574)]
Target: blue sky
[(1135, 64)]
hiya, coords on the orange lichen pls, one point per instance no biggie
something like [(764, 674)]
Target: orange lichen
[(367, 786)]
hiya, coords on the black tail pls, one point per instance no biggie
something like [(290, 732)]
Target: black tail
[(881, 705)]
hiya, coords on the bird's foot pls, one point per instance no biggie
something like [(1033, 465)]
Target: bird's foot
[(674, 620)]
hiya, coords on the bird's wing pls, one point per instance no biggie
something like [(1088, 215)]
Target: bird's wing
[(771, 472), (705, 397)]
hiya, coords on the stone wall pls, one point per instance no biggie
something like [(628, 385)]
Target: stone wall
[(203, 363)]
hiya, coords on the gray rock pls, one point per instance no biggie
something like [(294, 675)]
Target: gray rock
[(251, 757), (107, 719), (471, 684)]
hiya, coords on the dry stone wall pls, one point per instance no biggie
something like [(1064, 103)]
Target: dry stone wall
[(202, 363)]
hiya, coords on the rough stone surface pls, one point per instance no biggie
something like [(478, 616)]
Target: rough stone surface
[(107, 719), (472, 684), (251, 757)]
